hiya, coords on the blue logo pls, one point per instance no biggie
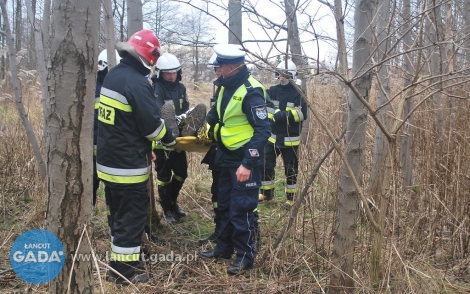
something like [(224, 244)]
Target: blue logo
[(37, 256)]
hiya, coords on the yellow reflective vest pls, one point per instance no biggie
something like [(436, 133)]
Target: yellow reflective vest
[(235, 129)]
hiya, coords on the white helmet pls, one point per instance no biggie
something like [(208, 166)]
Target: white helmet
[(213, 61), (291, 67), (103, 59), (168, 62)]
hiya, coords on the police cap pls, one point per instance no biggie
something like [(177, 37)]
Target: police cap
[(229, 53)]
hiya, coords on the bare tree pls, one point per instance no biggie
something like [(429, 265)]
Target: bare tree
[(69, 125), (17, 88), (344, 233), (135, 20), (110, 35), (235, 22)]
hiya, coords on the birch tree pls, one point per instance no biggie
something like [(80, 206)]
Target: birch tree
[(110, 35), (345, 224), (135, 20), (69, 127), (235, 22), (18, 95)]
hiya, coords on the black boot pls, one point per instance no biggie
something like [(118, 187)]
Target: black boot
[(175, 190), (213, 237), (238, 267), (216, 255), (177, 211), (166, 203)]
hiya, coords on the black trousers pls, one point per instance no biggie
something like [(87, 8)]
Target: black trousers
[(128, 209), (291, 167), (172, 171)]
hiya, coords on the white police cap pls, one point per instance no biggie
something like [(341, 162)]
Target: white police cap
[(229, 53)]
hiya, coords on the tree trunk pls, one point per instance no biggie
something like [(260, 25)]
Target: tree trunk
[(345, 223), (69, 127), (235, 22), (405, 153), (379, 176), (293, 38), (135, 21), (18, 96), (110, 35), (18, 26), (40, 55)]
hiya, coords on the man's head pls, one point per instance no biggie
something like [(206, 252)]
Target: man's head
[(230, 59), (168, 67), (143, 46), (284, 73)]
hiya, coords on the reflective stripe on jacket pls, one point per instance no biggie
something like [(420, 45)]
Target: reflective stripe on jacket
[(129, 120)]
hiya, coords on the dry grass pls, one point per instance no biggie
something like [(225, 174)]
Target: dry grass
[(425, 250)]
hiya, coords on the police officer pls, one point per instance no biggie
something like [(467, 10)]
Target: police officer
[(209, 159), (241, 128), (100, 75), (289, 113), (129, 121)]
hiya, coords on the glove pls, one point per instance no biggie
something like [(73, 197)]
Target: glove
[(280, 116)]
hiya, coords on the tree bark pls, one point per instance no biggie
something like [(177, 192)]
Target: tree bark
[(110, 35), (69, 127), (235, 22), (345, 223), (135, 20), (379, 176), (405, 152)]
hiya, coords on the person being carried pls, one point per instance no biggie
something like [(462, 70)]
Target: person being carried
[(241, 128), (171, 165), (289, 112), (129, 121)]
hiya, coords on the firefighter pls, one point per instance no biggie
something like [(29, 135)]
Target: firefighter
[(171, 165), (129, 120), (241, 128), (210, 156), (100, 75), (289, 112)]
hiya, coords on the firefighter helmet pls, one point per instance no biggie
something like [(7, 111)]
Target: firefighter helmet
[(291, 68), (142, 45), (103, 59), (168, 62)]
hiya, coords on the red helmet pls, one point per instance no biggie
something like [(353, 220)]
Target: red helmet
[(147, 45)]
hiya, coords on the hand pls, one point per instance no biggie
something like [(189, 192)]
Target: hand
[(280, 116), (154, 157), (243, 174), (168, 146)]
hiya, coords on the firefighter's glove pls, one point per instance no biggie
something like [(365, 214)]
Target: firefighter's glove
[(170, 144), (280, 116)]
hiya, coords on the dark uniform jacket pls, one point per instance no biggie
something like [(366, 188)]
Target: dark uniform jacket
[(174, 91), (293, 111), (129, 120), (209, 158), (251, 154), (101, 74)]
